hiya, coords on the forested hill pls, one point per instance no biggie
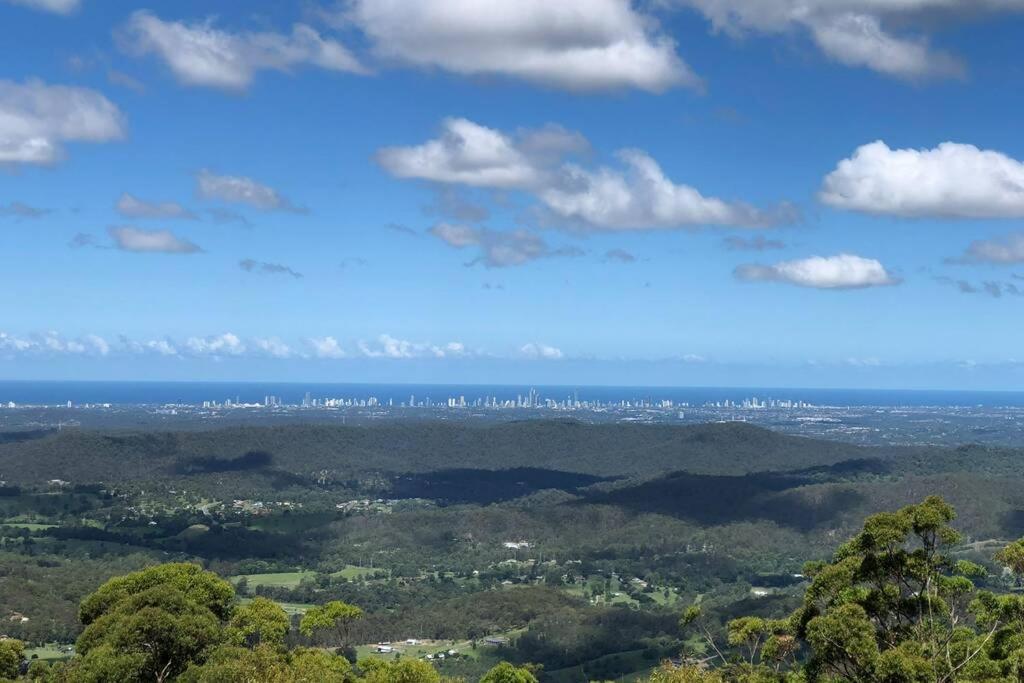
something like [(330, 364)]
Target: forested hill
[(602, 450)]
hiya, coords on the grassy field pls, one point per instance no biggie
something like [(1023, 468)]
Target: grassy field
[(277, 580), (49, 652), (618, 595), (293, 579), (31, 526), (352, 571)]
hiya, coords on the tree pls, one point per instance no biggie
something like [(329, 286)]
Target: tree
[(11, 654), (507, 673), (202, 587), (261, 621), (401, 671), (332, 615), (892, 605), (151, 625)]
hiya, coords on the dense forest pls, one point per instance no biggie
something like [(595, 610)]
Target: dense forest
[(568, 547)]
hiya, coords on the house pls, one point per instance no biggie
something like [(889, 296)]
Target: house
[(496, 640), (385, 649)]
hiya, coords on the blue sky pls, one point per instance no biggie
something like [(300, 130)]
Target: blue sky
[(677, 192)]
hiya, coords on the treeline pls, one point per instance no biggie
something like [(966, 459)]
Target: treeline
[(340, 453)]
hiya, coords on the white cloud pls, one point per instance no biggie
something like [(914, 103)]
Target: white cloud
[(466, 153), (844, 271), (1003, 251), (541, 351), (200, 54), (99, 344), (859, 40), (499, 249), (635, 196), (130, 206), (160, 347), (387, 346), (886, 36), (449, 350), (950, 181), (326, 347), (10, 343), (129, 238), (641, 197), (53, 6), (273, 347), (579, 45), (37, 119), (226, 344), (219, 346), (241, 190), (54, 343)]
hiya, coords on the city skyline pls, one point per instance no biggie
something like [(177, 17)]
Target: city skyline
[(684, 193)]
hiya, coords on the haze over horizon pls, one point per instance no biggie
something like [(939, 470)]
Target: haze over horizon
[(601, 192)]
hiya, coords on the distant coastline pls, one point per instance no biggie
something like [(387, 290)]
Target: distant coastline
[(52, 392)]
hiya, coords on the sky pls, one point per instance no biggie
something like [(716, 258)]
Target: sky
[(787, 193)]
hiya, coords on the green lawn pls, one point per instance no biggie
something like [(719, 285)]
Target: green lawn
[(278, 580), (31, 526), (352, 571), (49, 652)]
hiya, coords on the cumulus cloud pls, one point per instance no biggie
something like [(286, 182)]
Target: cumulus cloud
[(886, 36), (272, 346), (387, 346), (220, 346), (635, 195), (130, 206), (252, 266), (844, 271), (130, 238), (540, 351), (201, 54), (465, 153), (226, 344), (639, 197), (1003, 251), (241, 190), (37, 119), (499, 249), (950, 181), (578, 45), (326, 347), (53, 6), (53, 343), (22, 210), (159, 347), (755, 243)]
